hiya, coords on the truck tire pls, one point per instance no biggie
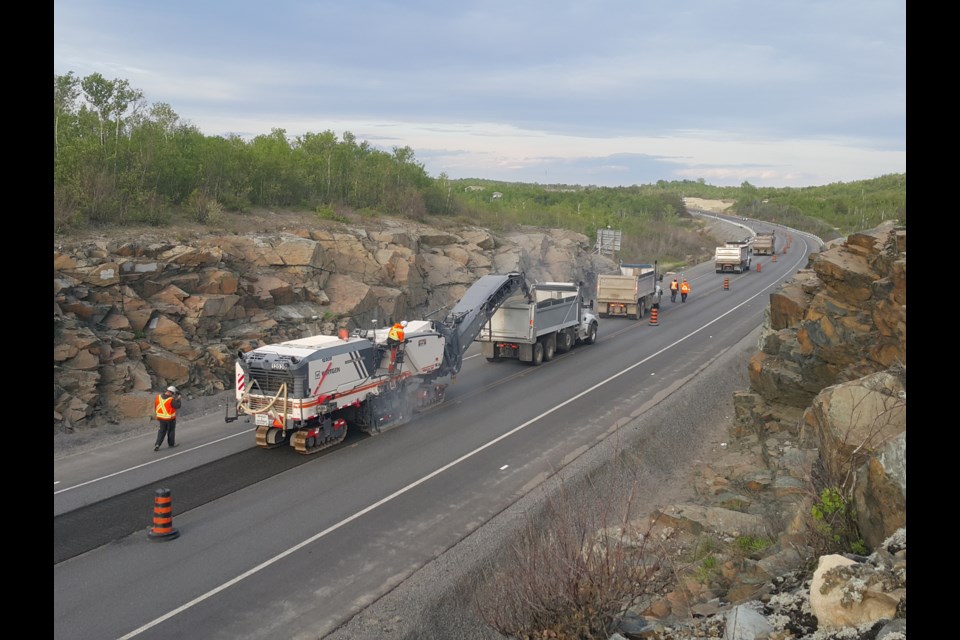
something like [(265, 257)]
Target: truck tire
[(565, 340), (549, 347), (591, 334), (537, 354)]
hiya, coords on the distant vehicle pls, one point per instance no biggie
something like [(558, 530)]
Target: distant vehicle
[(733, 257), (765, 243)]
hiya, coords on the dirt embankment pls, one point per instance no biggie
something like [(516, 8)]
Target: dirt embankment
[(716, 206)]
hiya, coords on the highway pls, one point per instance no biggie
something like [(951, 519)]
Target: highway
[(273, 544)]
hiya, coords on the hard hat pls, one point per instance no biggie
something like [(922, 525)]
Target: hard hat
[(172, 389), (403, 323)]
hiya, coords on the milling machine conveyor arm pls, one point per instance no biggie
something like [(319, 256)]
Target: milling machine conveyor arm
[(465, 321)]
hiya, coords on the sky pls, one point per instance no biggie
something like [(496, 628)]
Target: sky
[(784, 93)]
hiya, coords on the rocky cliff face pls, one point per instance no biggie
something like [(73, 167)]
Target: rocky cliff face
[(826, 409), (135, 314), (843, 317)]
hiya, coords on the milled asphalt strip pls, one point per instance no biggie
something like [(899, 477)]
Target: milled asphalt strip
[(433, 474)]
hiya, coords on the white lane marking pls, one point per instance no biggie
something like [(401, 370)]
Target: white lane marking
[(147, 464), (399, 492), (504, 467)]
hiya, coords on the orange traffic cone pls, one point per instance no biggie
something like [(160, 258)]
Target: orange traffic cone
[(726, 284), (758, 267), (653, 316), (162, 528), (774, 258)]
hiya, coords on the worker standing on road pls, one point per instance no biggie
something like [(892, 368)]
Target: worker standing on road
[(684, 290), (674, 287), (165, 408)]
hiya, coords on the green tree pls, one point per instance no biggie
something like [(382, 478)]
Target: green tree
[(272, 167), (98, 92), (66, 90)]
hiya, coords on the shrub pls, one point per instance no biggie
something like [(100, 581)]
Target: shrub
[(326, 212), (834, 524), (573, 572), (748, 545)]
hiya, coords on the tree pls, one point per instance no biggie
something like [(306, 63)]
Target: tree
[(123, 98), (66, 90), (315, 153), (272, 156), (98, 91)]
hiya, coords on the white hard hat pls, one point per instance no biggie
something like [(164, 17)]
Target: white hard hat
[(172, 389), (403, 323)]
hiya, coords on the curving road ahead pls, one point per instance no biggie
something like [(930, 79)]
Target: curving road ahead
[(277, 545)]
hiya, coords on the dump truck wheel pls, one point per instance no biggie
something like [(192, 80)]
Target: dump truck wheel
[(549, 348), (592, 334), (537, 354)]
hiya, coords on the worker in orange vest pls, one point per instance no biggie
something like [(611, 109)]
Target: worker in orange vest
[(684, 290), (396, 333), (674, 287), (165, 409), (395, 338)]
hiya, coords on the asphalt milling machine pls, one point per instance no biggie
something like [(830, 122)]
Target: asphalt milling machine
[(304, 393)]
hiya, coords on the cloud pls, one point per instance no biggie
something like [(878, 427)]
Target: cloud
[(788, 93)]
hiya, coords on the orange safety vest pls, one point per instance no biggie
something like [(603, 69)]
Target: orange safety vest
[(396, 333), (673, 285), (684, 288), (164, 408)]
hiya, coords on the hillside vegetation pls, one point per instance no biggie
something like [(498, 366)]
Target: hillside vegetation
[(121, 161)]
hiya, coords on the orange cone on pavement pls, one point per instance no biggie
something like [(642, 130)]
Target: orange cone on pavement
[(726, 283), (653, 316), (162, 528), (774, 258), (758, 267)]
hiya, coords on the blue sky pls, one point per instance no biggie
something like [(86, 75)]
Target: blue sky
[(596, 92)]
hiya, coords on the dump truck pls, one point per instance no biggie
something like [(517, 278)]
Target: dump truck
[(765, 243), (629, 293), (553, 320), (733, 257)]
